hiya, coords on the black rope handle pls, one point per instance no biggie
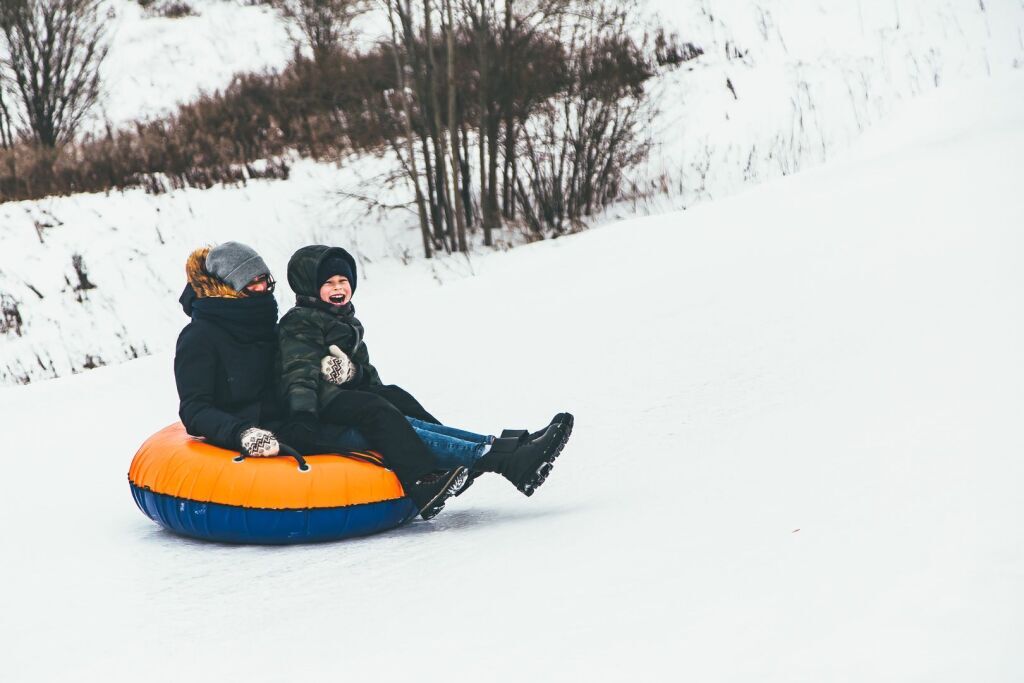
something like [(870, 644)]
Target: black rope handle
[(283, 449)]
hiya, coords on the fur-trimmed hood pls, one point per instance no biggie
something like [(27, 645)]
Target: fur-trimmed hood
[(203, 282)]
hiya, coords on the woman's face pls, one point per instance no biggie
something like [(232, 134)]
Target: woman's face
[(264, 284), (336, 291)]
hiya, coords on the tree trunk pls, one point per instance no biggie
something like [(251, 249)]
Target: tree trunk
[(435, 211), (483, 36), (467, 173), (453, 129), (407, 120), (437, 129)]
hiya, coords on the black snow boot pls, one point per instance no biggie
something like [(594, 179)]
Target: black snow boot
[(526, 459), (565, 419), (429, 493)]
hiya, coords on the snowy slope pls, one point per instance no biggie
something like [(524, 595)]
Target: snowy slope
[(807, 79), (797, 456), (786, 85), (156, 63)]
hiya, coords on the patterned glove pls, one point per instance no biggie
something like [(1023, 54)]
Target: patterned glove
[(259, 443), (337, 368)]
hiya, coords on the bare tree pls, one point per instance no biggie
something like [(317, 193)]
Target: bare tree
[(54, 51), (578, 144), (409, 165), (551, 93), (453, 126), (322, 24), (6, 134)]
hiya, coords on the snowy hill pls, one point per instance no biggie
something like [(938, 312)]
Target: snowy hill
[(797, 456), (90, 280), (156, 63)]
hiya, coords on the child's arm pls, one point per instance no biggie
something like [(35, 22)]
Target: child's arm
[(302, 346), (345, 337), (348, 340)]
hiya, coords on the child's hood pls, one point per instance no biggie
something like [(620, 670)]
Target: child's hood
[(304, 263)]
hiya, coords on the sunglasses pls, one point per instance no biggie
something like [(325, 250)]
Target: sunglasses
[(267, 280)]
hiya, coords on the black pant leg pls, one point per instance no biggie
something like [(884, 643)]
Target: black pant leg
[(404, 401), (385, 428)]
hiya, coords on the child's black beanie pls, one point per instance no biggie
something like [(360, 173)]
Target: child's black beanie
[(335, 265)]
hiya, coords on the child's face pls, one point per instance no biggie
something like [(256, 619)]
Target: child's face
[(336, 291)]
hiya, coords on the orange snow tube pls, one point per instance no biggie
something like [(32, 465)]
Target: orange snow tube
[(200, 490)]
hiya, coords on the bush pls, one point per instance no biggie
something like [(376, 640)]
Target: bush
[(171, 9), (241, 133)]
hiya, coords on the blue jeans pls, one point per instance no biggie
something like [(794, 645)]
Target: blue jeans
[(450, 447)]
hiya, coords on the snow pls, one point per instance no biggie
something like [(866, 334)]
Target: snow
[(156, 63), (796, 456)]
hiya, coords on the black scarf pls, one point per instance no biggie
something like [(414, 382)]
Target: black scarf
[(252, 317)]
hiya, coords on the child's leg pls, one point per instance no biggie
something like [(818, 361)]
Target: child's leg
[(338, 439), (385, 429), (328, 438), (404, 401)]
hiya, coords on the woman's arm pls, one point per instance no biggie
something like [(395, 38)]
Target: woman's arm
[(195, 373)]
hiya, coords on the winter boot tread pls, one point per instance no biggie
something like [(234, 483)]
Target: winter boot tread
[(430, 493)]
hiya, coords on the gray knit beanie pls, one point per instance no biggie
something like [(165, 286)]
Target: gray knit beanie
[(236, 264)]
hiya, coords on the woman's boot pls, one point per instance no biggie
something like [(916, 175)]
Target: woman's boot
[(526, 459)]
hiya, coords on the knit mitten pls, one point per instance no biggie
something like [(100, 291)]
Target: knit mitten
[(259, 443), (337, 368)]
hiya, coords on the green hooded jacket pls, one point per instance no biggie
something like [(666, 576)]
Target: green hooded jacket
[(307, 330)]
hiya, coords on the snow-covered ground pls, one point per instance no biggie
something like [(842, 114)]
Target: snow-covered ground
[(797, 456), (156, 63), (782, 86)]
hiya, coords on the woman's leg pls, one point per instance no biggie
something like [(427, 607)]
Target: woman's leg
[(420, 425), (450, 451), (449, 447)]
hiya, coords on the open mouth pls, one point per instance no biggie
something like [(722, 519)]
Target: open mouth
[(337, 299)]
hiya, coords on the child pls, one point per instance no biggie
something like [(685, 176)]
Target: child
[(327, 376)]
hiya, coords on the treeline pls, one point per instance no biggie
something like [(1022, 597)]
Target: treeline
[(548, 109), (496, 111)]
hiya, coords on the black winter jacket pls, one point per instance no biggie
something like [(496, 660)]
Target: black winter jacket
[(308, 330), (225, 367)]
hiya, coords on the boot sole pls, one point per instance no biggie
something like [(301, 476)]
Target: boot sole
[(530, 487), (456, 482), (471, 477)]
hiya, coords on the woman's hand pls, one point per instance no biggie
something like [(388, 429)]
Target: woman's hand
[(337, 368), (259, 443)]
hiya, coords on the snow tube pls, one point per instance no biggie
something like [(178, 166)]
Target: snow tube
[(199, 490)]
